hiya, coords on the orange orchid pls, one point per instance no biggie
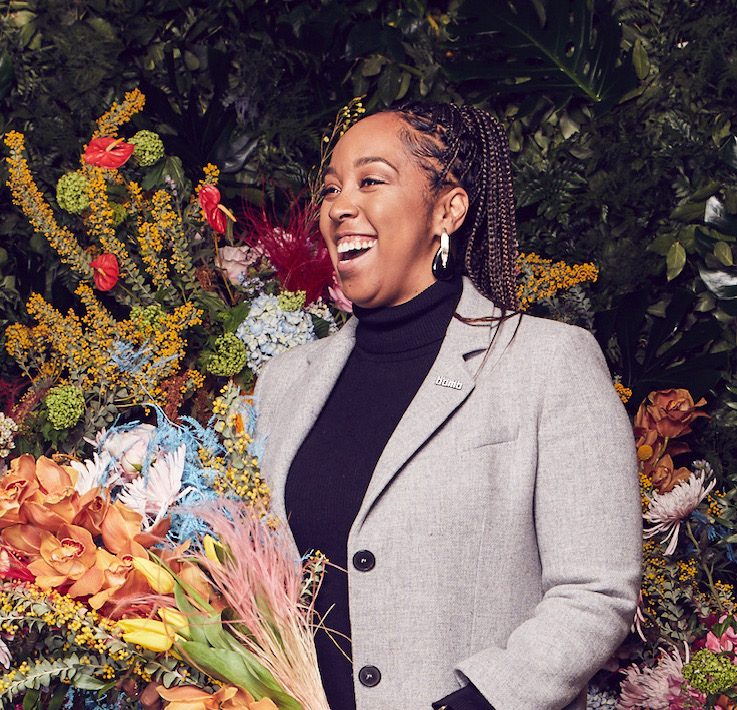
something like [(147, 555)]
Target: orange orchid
[(121, 524), (55, 502), (92, 515), (673, 410), (64, 557), (41, 493), (23, 538), (119, 579), (16, 487), (228, 698)]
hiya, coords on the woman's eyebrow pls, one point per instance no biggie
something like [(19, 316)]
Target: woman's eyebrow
[(372, 159), (360, 162)]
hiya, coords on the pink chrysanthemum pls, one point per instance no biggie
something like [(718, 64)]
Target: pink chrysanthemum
[(658, 688), (667, 510)]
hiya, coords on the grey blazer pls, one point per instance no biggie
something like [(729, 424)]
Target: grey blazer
[(502, 522)]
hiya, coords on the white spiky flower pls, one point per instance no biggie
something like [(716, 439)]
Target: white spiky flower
[(152, 495), (97, 471), (667, 510)]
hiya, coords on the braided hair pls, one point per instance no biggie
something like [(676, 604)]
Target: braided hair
[(465, 146)]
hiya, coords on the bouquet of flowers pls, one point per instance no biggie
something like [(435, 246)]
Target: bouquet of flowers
[(685, 621), (155, 567), (169, 297)]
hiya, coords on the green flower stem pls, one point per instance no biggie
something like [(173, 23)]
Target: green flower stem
[(706, 567)]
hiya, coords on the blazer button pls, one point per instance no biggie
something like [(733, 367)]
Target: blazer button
[(369, 676), (364, 561)]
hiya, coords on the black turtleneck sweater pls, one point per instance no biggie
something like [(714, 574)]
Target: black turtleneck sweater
[(394, 350)]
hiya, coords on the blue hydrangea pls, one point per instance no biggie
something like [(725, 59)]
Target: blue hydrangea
[(599, 699), (269, 330)]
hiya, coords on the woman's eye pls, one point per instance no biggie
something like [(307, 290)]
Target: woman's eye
[(369, 181), (328, 190)]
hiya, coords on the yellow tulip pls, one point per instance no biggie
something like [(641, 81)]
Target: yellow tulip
[(149, 633), (175, 620), (210, 548), (159, 579)]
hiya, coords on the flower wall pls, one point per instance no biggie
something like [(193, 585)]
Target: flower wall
[(154, 258)]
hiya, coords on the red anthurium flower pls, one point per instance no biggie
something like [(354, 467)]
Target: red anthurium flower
[(107, 152), (215, 212), (106, 271)]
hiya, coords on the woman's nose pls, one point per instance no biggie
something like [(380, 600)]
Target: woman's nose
[(343, 207)]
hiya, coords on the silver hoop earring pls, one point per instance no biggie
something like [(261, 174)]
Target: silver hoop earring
[(443, 265)]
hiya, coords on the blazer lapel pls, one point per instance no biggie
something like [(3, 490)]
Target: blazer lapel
[(450, 381), (317, 378)]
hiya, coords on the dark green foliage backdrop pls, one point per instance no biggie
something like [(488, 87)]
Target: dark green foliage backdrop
[(616, 112)]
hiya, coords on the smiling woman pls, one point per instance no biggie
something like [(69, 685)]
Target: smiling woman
[(381, 226), (486, 548)]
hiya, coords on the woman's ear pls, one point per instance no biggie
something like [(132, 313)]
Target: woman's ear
[(451, 210)]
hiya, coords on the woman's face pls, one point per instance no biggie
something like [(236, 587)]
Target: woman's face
[(377, 218)]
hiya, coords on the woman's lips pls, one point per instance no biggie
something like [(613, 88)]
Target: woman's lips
[(352, 247)]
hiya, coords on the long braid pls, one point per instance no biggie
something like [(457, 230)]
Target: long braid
[(466, 146)]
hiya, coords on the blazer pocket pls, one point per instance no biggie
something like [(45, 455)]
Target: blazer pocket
[(489, 437)]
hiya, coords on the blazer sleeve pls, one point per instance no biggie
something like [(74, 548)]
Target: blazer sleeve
[(589, 532)]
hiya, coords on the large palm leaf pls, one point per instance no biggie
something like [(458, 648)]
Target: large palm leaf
[(563, 48)]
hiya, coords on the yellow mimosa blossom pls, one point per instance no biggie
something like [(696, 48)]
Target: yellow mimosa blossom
[(29, 198), (541, 278), (119, 113)]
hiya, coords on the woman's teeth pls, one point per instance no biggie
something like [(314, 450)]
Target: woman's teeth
[(351, 248)]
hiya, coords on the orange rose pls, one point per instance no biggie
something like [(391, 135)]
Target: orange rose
[(665, 478), (673, 410)]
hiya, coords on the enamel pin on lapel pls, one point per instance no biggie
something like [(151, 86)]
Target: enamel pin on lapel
[(445, 382)]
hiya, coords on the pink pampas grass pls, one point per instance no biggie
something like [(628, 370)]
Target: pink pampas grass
[(260, 578)]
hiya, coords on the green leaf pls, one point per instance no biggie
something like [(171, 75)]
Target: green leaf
[(404, 86), (7, 74), (675, 260), (373, 65), (640, 60), (30, 700), (390, 84), (574, 51), (58, 697), (723, 252), (87, 682)]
